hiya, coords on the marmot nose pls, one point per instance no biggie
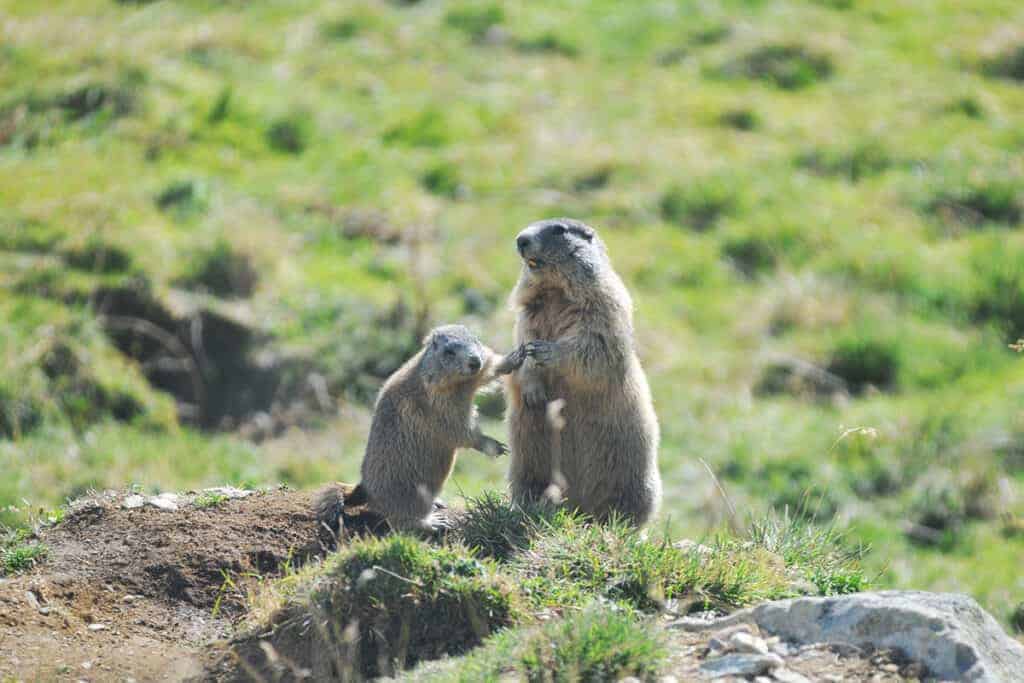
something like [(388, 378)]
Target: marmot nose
[(522, 242)]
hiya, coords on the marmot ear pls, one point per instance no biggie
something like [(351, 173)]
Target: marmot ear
[(584, 231)]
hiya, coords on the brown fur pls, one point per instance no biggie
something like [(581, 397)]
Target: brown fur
[(424, 412), (576, 318)]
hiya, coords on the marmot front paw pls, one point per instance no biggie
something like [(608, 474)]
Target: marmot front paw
[(542, 352)]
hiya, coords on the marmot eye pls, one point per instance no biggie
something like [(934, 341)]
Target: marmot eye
[(450, 353), (559, 229)]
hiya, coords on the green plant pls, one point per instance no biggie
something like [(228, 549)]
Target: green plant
[(475, 21), (698, 206), (790, 66), (289, 134), (21, 557)]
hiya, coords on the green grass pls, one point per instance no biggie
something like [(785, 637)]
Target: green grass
[(599, 643), (209, 499), (343, 176), (562, 599)]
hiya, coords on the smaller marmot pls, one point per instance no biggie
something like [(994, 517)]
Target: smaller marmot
[(423, 413)]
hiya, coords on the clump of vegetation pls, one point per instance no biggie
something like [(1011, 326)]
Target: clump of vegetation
[(345, 28), (95, 98), (19, 413), (600, 643), (578, 562), (790, 67), (967, 106), (595, 179), (443, 180), (97, 256), (865, 363), (495, 527), (1017, 618), (475, 21), (698, 206), (548, 43), (976, 204), (289, 134), (863, 160), (428, 129), (998, 294), (83, 399), (937, 512), (184, 198), (1009, 64), (221, 108), (21, 557), (209, 499), (750, 255), (740, 119), (791, 486), (220, 270), (386, 604)]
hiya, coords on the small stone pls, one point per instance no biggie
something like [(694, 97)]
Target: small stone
[(130, 598), (133, 501), (764, 679), (720, 640), (890, 668), (668, 679), (692, 547), (785, 675), (740, 665), (165, 501), (629, 679), (749, 643), (98, 627), (44, 610), (30, 597)]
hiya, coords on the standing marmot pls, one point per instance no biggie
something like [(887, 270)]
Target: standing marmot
[(605, 455), (423, 413)]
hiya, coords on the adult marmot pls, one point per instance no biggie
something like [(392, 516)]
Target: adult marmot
[(424, 412), (577, 319)]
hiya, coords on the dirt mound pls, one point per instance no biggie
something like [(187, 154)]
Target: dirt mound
[(132, 587)]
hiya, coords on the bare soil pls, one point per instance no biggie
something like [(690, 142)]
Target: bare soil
[(137, 593)]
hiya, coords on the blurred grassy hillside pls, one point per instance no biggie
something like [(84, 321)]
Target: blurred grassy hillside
[(222, 223)]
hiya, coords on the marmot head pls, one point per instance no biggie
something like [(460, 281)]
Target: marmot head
[(561, 253), (451, 355)]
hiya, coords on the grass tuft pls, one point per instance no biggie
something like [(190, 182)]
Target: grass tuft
[(289, 134), (789, 67), (221, 271), (475, 21), (698, 206), (21, 557), (600, 643)]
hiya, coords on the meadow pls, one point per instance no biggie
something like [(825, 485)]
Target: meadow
[(222, 224)]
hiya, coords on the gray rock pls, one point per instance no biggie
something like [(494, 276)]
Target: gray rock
[(949, 634), (748, 643), (229, 492), (739, 664), (166, 501), (789, 676), (133, 501)]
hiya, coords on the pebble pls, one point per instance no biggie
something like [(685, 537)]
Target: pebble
[(133, 501), (720, 641), (784, 675), (748, 643), (98, 627), (740, 665), (890, 668), (165, 501)]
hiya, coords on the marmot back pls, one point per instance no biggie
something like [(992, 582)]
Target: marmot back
[(424, 412), (577, 318)]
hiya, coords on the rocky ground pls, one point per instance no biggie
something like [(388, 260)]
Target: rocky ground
[(139, 588)]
